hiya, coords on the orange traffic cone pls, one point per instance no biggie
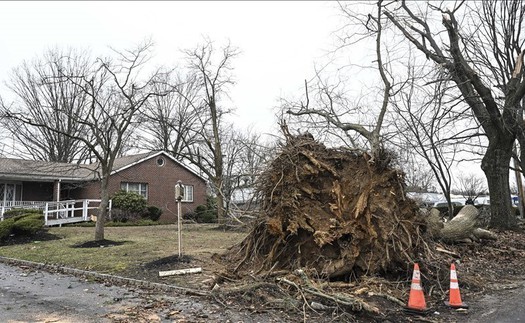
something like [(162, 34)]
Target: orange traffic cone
[(454, 295), (416, 299)]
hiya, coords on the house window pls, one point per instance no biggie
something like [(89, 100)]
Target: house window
[(139, 188), (10, 193), (188, 193), (160, 162)]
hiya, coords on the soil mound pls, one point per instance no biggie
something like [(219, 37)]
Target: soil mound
[(334, 211), (99, 244)]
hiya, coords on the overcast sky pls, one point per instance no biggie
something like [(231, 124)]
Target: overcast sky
[(279, 40)]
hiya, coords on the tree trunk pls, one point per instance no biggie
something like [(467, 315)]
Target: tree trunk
[(220, 202), (103, 208), (495, 164), (462, 226)]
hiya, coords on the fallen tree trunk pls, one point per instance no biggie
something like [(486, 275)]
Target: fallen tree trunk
[(463, 226), (484, 234)]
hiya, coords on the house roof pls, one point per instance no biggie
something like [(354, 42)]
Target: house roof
[(34, 170)]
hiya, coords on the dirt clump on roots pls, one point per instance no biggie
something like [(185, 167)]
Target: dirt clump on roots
[(334, 212)]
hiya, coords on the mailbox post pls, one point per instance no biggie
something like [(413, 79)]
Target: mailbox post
[(179, 194)]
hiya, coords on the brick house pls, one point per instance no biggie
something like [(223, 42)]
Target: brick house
[(153, 175)]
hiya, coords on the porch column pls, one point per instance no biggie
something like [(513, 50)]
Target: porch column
[(56, 190)]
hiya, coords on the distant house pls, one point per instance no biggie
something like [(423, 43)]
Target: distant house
[(153, 175)]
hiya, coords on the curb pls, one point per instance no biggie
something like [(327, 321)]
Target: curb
[(115, 280)]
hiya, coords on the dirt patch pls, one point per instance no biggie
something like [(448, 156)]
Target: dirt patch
[(99, 244), (168, 262)]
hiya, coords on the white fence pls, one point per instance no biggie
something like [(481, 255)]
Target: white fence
[(57, 213)]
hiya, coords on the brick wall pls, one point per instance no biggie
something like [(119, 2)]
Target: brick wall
[(161, 182)]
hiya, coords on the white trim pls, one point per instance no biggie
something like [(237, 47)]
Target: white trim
[(155, 155)]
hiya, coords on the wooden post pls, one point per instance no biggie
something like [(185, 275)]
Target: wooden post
[(46, 211), (85, 210), (179, 227), (519, 184), (179, 192)]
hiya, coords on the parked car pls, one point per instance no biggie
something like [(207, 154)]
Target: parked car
[(455, 202)]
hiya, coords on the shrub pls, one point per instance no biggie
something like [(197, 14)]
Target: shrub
[(15, 212), (153, 213), (23, 224), (129, 201), (205, 213), (127, 206), (6, 227), (28, 224), (119, 215)]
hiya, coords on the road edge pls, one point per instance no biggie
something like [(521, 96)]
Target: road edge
[(116, 280)]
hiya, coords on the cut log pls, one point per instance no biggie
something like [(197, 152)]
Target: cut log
[(434, 223), (462, 225), (180, 272)]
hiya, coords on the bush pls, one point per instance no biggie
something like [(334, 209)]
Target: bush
[(28, 224), (6, 227), (119, 215), (205, 213), (153, 213), (23, 224), (129, 201), (15, 212), (127, 206)]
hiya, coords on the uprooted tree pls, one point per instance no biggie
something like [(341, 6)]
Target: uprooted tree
[(338, 212), (332, 210)]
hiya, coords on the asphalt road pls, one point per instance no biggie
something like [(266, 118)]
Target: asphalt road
[(32, 295), (38, 296), (505, 306)]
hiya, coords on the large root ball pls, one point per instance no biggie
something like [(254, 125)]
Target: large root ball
[(334, 211)]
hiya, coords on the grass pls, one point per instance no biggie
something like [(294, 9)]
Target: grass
[(140, 245)]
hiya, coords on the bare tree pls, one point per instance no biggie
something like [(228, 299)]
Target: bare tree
[(46, 96), (470, 186), (431, 126), (116, 94), (214, 75), (172, 121), (418, 177), (244, 157), (482, 55)]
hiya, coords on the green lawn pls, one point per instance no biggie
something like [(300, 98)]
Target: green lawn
[(141, 245)]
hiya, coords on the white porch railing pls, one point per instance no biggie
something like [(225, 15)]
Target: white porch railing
[(57, 213), (6, 206)]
